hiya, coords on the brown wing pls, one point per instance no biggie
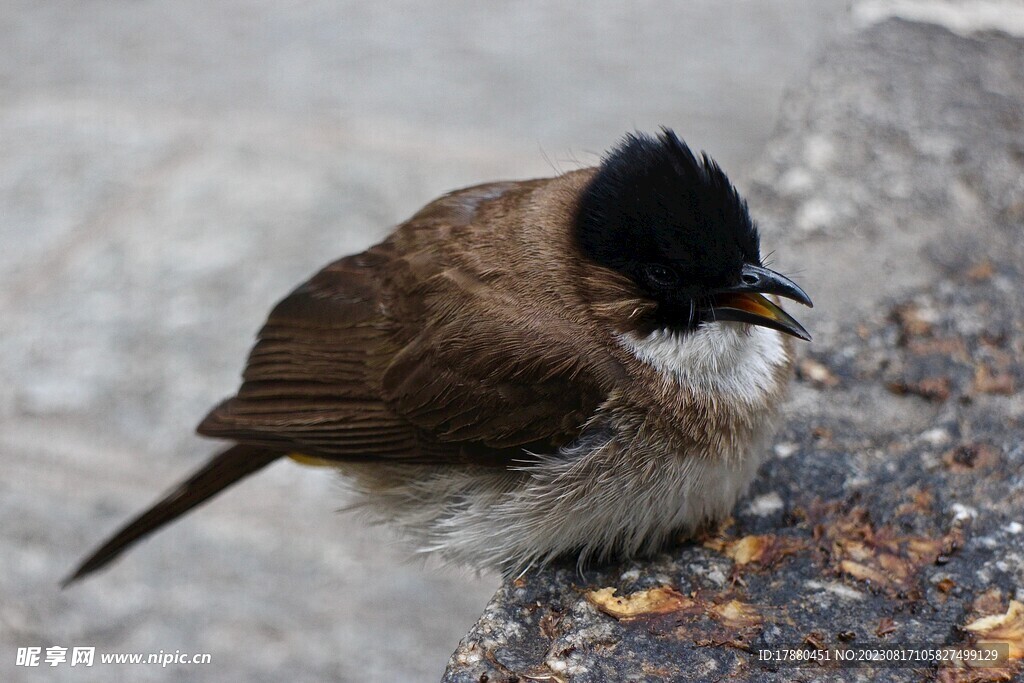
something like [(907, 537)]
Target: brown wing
[(403, 352)]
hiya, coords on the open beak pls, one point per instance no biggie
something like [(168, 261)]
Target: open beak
[(745, 302)]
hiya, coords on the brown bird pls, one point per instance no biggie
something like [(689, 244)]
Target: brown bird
[(577, 365)]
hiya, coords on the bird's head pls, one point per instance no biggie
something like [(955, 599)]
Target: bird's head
[(676, 228)]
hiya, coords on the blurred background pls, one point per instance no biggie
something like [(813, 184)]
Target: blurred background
[(169, 170)]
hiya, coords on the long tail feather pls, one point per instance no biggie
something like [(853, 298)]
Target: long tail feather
[(222, 471)]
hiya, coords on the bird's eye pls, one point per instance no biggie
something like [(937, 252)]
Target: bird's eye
[(660, 275)]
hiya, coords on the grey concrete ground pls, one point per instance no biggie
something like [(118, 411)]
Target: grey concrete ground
[(168, 170)]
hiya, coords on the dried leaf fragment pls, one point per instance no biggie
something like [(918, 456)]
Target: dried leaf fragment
[(660, 600), (815, 639), (1004, 628), (882, 555), (864, 573), (885, 626), (736, 614), (764, 549)]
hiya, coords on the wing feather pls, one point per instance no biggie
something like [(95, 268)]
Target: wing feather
[(404, 353)]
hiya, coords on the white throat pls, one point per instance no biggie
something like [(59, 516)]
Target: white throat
[(728, 359)]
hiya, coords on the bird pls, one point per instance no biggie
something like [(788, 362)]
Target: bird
[(585, 366)]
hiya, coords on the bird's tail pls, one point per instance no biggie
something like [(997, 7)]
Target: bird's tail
[(222, 471)]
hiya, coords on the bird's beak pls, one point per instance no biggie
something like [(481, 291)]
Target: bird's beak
[(744, 302)]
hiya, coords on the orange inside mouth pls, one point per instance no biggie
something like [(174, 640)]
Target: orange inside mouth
[(751, 303)]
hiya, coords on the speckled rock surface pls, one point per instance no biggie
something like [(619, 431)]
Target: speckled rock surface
[(892, 511)]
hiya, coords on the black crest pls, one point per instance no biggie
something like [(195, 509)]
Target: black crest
[(666, 218)]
